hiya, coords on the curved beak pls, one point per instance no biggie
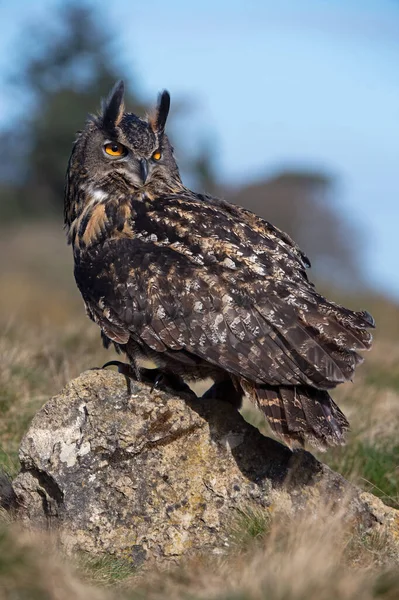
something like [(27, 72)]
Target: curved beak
[(143, 169)]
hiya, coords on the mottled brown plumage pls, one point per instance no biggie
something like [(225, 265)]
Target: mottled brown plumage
[(200, 286)]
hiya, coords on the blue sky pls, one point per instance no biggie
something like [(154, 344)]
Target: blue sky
[(312, 84)]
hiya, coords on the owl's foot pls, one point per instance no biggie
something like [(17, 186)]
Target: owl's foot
[(171, 383), (156, 378), (224, 390), (124, 368)]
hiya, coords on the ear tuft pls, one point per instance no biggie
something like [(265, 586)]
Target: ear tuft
[(114, 106), (162, 111)]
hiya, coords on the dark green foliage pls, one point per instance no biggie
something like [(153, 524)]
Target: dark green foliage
[(104, 570), (375, 467), (250, 525), (9, 462)]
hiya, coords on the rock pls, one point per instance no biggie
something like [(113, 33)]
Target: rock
[(8, 499), (150, 477)]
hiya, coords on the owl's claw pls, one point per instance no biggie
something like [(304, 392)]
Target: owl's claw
[(169, 382), (124, 368), (157, 379)]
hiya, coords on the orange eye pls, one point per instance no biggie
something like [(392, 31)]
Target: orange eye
[(114, 149), (157, 155)]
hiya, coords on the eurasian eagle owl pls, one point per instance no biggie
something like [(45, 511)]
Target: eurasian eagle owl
[(200, 286)]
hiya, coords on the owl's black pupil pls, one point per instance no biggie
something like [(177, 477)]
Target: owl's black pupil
[(114, 147)]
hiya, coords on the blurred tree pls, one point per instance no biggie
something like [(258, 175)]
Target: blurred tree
[(71, 70), (63, 82), (67, 66), (301, 203)]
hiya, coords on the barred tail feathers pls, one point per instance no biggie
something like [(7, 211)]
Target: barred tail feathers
[(301, 414)]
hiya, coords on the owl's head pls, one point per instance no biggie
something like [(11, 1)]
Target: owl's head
[(119, 153)]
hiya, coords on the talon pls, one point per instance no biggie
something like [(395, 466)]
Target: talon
[(123, 368), (114, 363), (157, 381)]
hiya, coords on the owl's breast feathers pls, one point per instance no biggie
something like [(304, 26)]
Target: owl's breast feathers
[(188, 272)]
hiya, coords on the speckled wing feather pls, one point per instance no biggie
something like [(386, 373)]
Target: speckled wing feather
[(199, 276)]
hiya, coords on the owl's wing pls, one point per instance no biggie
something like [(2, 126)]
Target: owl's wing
[(260, 227), (236, 297)]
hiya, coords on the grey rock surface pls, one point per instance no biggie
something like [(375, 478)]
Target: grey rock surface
[(147, 476)]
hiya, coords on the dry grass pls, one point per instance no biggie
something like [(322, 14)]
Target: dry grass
[(313, 559), (316, 558), (46, 339)]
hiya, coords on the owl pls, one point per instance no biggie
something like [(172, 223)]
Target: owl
[(201, 287)]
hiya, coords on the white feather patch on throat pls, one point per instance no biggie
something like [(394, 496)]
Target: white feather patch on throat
[(97, 195)]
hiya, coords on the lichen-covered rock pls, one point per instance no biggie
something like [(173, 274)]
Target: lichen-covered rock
[(147, 476)]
